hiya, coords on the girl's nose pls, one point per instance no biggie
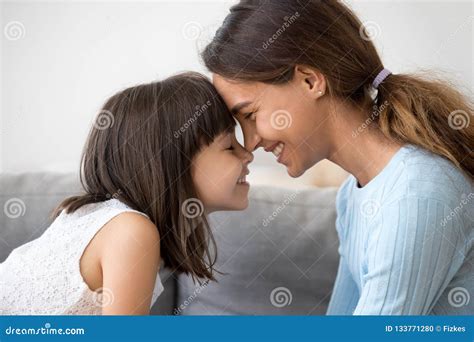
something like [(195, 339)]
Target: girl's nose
[(248, 157)]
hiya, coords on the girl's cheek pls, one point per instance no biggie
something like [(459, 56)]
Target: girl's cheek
[(234, 164)]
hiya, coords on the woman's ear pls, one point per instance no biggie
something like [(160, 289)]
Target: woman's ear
[(311, 80)]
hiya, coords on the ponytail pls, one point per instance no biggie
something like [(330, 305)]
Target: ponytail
[(431, 114)]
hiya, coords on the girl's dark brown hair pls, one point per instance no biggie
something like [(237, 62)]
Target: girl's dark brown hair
[(140, 151), (264, 41)]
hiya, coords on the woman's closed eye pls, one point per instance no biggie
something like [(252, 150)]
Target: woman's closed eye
[(250, 115)]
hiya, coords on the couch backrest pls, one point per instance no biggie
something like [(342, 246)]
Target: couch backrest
[(28, 199), (279, 256)]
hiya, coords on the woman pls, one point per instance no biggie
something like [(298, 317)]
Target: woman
[(306, 84)]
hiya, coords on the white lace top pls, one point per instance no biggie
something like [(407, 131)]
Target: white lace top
[(42, 277)]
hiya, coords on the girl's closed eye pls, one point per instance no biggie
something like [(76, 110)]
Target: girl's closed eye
[(229, 144)]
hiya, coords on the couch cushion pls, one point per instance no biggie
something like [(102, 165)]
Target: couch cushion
[(280, 257), (28, 199)]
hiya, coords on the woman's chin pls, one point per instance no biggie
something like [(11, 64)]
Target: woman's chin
[(294, 172)]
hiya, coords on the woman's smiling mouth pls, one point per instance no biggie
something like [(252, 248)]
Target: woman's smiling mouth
[(277, 149)]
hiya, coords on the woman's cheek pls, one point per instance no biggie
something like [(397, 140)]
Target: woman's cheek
[(264, 126)]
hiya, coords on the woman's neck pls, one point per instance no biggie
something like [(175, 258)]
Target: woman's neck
[(358, 146)]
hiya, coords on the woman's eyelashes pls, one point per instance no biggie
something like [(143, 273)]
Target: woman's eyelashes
[(250, 115)]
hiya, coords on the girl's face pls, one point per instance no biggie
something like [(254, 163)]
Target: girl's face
[(290, 120), (219, 174)]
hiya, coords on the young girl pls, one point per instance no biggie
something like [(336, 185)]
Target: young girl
[(159, 158)]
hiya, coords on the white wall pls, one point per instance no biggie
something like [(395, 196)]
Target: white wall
[(73, 55)]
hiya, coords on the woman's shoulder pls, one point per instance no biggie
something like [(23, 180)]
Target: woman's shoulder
[(425, 174)]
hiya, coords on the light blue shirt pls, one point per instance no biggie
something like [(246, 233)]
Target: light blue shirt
[(406, 240)]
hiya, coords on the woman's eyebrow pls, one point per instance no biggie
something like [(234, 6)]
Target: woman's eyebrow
[(239, 106)]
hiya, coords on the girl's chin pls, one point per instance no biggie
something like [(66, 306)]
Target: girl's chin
[(239, 201)]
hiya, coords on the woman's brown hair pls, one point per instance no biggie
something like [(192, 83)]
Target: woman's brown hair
[(140, 151), (264, 41)]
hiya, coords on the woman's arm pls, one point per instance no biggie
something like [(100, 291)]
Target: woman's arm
[(345, 293), (130, 261), (412, 255)]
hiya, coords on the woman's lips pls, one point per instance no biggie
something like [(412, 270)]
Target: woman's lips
[(278, 150)]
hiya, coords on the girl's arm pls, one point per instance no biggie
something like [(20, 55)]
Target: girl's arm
[(130, 261)]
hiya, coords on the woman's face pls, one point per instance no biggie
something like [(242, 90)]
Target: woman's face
[(219, 174), (290, 120)]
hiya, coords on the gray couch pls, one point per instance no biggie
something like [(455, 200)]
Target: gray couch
[(278, 257)]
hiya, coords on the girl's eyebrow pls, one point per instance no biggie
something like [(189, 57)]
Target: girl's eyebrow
[(239, 106)]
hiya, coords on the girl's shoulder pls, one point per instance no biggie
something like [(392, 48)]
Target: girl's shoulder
[(128, 229), (124, 254)]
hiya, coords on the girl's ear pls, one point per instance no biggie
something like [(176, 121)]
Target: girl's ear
[(311, 80)]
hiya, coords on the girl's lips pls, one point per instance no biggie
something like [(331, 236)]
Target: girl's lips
[(242, 180), (244, 184)]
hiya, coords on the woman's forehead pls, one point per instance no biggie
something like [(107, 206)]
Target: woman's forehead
[(235, 93)]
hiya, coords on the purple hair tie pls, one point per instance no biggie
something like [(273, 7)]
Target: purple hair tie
[(380, 77)]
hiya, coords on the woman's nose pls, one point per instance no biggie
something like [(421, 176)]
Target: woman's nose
[(252, 142)]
